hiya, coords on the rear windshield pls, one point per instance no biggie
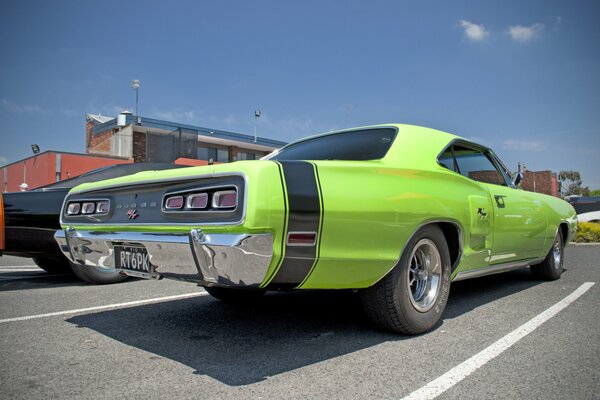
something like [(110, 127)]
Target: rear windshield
[(368, 144)]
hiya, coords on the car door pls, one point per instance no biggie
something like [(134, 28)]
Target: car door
[(520, 220), (518, 223)]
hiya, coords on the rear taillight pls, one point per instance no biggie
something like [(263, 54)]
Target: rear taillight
[(206, 200), (174, 202), (87, 207), (225, 199), (73, 208), (197, 201)]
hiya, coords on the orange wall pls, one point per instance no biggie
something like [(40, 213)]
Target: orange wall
[(41, 169), (76, 164)]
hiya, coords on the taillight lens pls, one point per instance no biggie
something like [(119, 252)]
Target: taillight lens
[(73, 208), (88, 208), (197, 201), (225, 199), (174, 203), (102, 207)]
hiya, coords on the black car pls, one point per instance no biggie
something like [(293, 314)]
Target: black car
[(28, 221)]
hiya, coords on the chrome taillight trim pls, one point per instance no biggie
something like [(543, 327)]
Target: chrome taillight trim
[(193, 196), (81, 202), (217, 196), (171, 198), (200, 190)]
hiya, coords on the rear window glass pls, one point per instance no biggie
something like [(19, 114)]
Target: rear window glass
[(368, 144)]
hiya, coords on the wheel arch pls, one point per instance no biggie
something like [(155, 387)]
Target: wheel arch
[(453, 233)]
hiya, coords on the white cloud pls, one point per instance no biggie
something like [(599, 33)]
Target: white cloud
[(3, 160), (524, 145), (524, 34), (474, 32), (23, 109)]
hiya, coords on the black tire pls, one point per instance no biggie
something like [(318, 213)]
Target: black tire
[(552, 267), (97, 276), (232, 295), (395, 302), (54, 265)]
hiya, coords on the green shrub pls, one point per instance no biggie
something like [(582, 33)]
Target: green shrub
[(588, 232)]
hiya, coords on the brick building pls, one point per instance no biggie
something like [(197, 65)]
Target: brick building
[(540, 182), (152, 140)]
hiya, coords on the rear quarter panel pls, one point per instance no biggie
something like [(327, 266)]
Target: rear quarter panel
[(372, 209)]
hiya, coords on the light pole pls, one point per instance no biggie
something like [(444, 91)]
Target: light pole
[(135, 85), (256, 116)]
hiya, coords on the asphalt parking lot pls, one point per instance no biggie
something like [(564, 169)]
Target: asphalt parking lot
[(62, 338)]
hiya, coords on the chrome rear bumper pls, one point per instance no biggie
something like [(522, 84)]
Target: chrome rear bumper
[(228, 260)]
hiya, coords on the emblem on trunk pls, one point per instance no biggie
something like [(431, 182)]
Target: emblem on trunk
[(132, 214)]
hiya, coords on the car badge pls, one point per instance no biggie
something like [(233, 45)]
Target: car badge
[(132, 214)]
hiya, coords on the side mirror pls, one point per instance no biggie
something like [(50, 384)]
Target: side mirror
[(516, 177)]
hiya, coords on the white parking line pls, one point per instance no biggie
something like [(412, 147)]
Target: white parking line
[(461, 371), (18, 278), (106, 307), (20, 268)]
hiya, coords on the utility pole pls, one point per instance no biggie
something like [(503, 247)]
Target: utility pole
[(256, 116), (135, 85)]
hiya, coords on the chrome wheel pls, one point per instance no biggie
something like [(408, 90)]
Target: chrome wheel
[(556, 253), (424, 275)]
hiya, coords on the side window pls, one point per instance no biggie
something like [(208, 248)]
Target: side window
[(476, 165), (446, 159)]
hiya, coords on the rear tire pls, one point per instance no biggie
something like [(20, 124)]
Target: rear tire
[(54, 265), (97, 276), (412, 297), (232, 295), (552, 267)]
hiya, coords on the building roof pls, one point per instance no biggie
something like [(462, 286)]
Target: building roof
[(153, 123), (98, 119)]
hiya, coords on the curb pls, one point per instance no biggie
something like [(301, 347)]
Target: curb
[(584, 244)]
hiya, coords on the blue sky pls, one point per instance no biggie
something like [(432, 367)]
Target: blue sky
[(520, 77)]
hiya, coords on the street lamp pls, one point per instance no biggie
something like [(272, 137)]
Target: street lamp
[(35, 148), (256, 116), (135, 85)]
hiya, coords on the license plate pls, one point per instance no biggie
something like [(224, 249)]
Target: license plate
[(132, 258)]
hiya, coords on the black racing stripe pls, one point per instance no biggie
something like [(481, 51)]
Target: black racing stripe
[(285, 222), (304, 216), (322, 219)]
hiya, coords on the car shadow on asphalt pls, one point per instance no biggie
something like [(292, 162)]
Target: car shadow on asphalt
[(247, 343), (472, 293), (41, 280)]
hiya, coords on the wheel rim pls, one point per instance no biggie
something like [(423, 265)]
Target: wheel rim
[(556, 253), (424, 275)]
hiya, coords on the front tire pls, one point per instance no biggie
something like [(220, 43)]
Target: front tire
[(97, 276), (412, 297), (552, 267), (54, 265)]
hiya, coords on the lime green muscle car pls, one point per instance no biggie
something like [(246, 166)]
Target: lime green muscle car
[(396, 212)]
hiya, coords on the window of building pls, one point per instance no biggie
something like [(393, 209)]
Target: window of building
[(246, 155), (217, 154), (222, 155)]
